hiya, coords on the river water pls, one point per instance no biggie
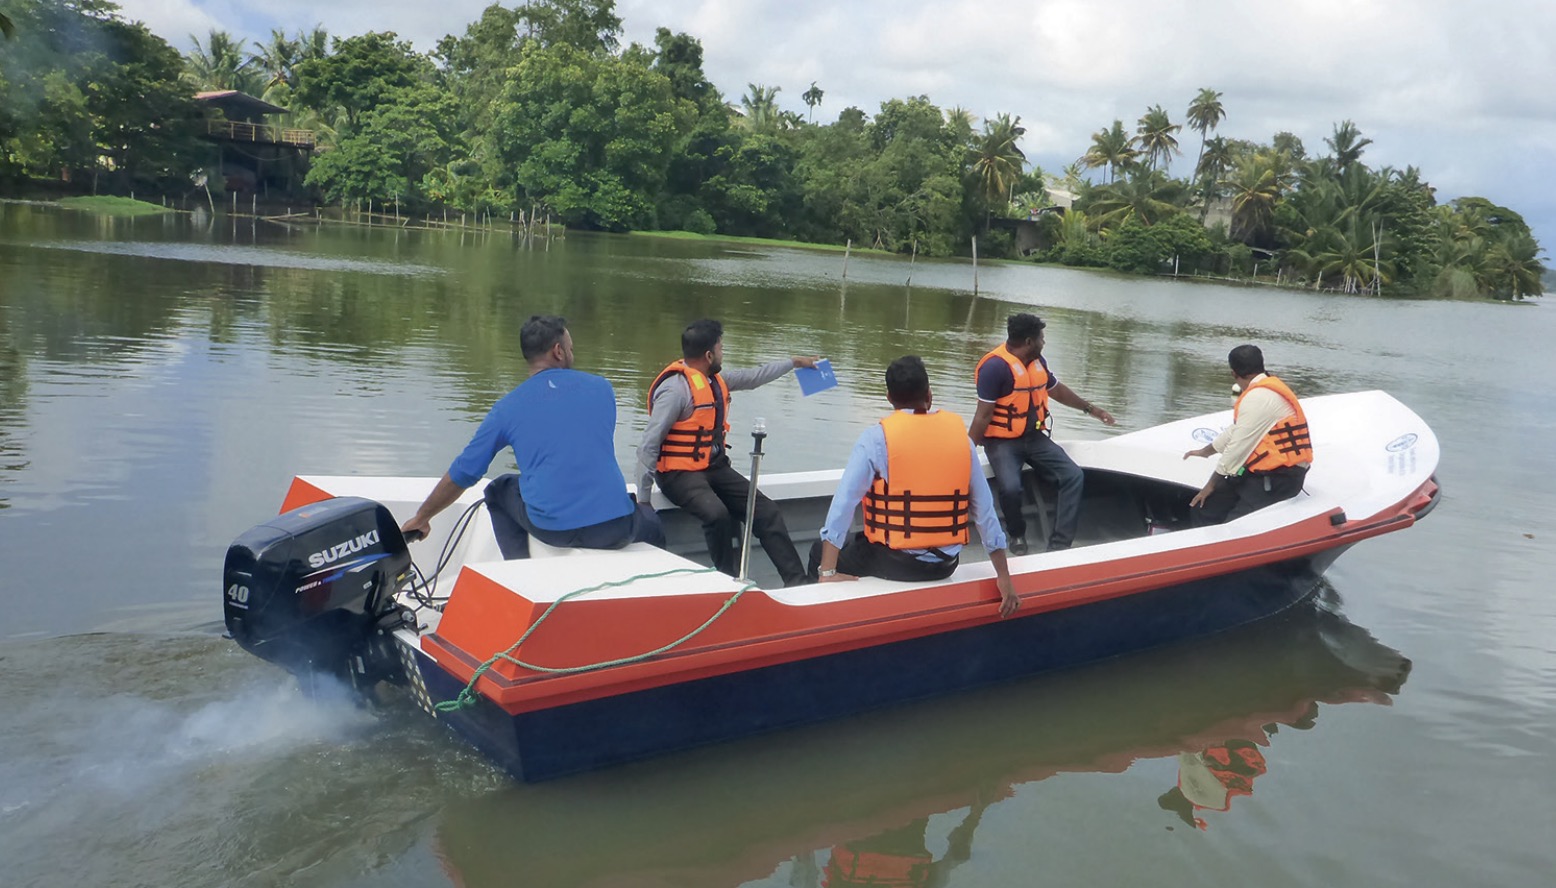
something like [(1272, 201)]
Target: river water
[(162, 378)]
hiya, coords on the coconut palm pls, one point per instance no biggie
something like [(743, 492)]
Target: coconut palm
[(995, 161), (1347, 144), (220, 63), (1215, 159), (1147, 197), (1154, 136), (1110, 148), (1255, 192), (812, 98), (276, 57), (1288, 144), (1205, 114), (313, 44), (760, 106), (1514, 269), (1354, 255)]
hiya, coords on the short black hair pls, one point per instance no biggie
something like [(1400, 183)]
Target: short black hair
[(1246, 360), (907, 382), (701, 337), (1022, 326), (539, 334)]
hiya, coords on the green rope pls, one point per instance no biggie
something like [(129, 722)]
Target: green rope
[(467, 697)]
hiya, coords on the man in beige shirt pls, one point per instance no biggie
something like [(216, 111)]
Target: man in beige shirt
[(1265, 453)]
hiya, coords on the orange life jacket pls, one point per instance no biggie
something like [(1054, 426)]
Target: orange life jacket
[(689, 444), (1287, 443), (1031, 389), (878, 870), (926, 501)]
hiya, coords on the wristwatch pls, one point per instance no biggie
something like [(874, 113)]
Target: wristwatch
[(827, 573)]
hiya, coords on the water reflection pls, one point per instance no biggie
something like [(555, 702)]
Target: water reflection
[(897, 796)]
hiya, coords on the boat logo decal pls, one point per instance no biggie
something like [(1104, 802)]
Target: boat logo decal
[(340, 550), (1204, 435), (1403, 442)]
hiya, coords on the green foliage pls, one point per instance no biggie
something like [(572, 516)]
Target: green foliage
[(89, 97), (589, 135), (113, 206), (537, 106), (362, 73), (1150, 249)]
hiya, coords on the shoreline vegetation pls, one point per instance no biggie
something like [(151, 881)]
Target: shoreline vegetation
[(104, 205), (538, 111)]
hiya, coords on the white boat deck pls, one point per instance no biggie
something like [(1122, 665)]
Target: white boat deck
[(1371, 453)]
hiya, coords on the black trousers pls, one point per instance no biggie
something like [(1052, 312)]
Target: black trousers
[(512, 526), (716, 496), (861, 558), (1239, 495)]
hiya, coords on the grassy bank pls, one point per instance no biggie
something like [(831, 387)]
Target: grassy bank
[(756, 241), (112, 206)]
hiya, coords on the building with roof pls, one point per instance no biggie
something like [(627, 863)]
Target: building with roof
[(256, 157)]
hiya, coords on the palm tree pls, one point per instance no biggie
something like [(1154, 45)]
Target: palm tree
[(1514, 269), (996, 161), (314, 44), (812, 98), (1205, 114), (1254, 194), (1214, 160), (220, 64), (277, 57), (760, 106), (1110, 148), (1287, 143), (1154, 136), (1353, 254), (1147, 197), (1347, 144)]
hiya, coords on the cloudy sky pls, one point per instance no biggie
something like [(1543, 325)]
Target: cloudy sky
[(1466, 91)]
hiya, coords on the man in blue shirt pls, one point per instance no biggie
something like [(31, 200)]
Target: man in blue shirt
[(1015, 392), (917, 475), (561, 425)]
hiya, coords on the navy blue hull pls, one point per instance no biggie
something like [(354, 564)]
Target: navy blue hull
[(583, 736)]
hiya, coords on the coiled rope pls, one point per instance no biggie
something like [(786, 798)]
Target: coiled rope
[(468, 696)]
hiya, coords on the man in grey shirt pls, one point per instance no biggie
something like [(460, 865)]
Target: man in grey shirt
[(683, 449)]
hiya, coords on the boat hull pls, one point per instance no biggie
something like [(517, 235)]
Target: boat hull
[(553, 742)]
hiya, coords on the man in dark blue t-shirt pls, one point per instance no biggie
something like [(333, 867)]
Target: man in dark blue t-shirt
[(561, 424), (1015, 393)]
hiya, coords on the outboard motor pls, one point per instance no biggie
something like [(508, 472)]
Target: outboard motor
[(313, 590)]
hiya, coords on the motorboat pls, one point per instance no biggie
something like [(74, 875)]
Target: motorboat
[(734, 813), (571, 660)]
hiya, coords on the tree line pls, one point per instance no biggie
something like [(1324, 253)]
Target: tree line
[(539, 106)]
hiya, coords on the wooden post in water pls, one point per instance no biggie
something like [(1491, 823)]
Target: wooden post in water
[(975, 264), (253, 205), (847, 249)]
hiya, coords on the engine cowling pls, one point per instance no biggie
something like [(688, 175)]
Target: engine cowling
[(313, 590)]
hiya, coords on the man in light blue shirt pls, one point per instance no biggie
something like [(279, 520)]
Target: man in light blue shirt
[(917, 475)]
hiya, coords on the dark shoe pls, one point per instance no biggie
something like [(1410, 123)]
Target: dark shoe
[(1057, 547), (1018, 546)]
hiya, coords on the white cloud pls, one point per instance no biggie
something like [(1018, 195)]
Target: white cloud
[(1460, 90)]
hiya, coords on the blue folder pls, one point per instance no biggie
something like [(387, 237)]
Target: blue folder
[(816, 380)]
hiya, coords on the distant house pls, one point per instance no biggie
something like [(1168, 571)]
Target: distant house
[(255, 156)]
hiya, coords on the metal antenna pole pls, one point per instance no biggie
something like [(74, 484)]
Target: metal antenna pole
[(758, 433)]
